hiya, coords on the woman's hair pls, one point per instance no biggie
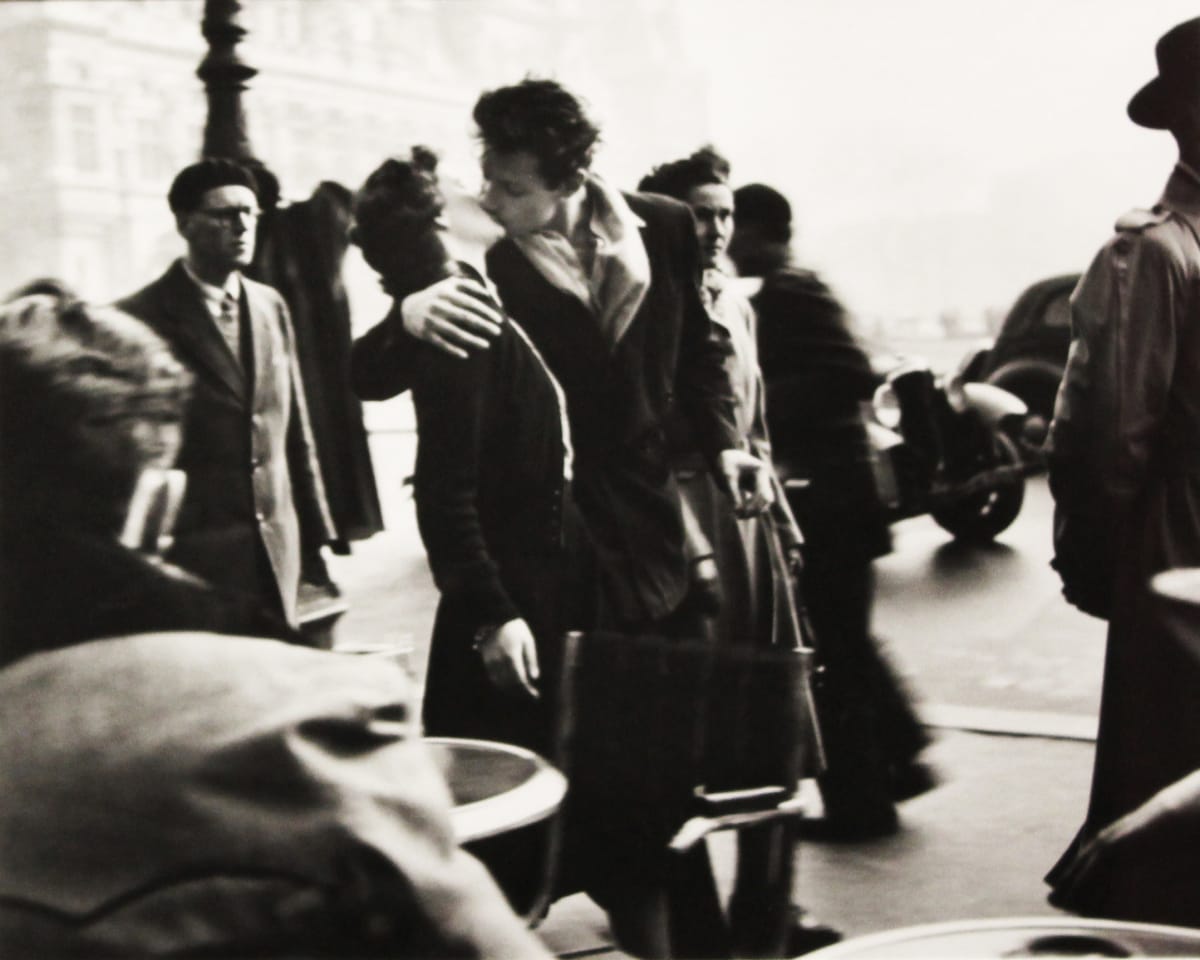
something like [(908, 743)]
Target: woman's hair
[(679, 177), (84, 394), (396, 214), (543, 118)]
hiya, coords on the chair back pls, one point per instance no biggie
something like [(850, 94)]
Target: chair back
[(648, 721)]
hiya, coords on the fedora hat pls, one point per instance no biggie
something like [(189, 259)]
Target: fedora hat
[(1178, 56)]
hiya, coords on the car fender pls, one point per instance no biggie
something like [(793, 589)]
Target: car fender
[(1025, 368), (993, 403)]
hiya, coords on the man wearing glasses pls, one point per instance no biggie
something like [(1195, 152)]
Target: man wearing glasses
[(255, 501)]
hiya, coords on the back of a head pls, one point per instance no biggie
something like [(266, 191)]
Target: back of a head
[(765, 209), (89, 397), (397, 213), (679, 177), (539, 117)]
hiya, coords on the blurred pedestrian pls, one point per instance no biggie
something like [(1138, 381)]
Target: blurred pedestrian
[(755, 600), (174, 783), (491, 480), (817, 376), (605, 284), (1125, 458), (255, 502)]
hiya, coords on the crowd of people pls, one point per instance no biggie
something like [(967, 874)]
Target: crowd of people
[(642, 420)]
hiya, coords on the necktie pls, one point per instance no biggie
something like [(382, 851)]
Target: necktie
[(228, 323)]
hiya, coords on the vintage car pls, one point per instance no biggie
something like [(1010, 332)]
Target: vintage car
[(1028, 354)]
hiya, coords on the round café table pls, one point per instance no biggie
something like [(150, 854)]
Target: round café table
[(505, 799), (1020, 937)]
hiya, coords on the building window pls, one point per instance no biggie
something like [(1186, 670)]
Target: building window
[(151, 151), (85, 139)]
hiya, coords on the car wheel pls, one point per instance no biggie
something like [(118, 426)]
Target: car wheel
[(981, 517)]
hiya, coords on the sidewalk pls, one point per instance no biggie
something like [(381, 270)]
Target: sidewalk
[(976, 846)]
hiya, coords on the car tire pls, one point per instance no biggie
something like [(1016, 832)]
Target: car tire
[(981, 517)]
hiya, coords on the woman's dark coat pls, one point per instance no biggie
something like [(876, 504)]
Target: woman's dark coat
[(490, 492)]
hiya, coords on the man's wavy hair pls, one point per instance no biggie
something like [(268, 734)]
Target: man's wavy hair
[(84, 392), (396, 214), (543, 118), (680, 177)]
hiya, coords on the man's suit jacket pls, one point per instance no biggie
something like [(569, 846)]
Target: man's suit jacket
[(253, 478), (194, 794), (620, 397)]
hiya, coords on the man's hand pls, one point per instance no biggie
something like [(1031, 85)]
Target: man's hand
[(455, 314), (749, 481), (510, 658)]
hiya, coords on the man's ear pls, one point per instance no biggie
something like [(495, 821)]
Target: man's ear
[(152, 510), (183, 224)]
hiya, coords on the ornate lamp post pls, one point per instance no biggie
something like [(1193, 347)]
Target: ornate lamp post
[(225, 76)]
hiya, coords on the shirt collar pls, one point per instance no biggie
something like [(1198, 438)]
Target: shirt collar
[(213, 293)]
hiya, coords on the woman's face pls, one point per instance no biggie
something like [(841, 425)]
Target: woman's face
[(712, 205)]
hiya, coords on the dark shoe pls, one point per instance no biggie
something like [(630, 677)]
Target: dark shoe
[(913, 779), (805, 936)]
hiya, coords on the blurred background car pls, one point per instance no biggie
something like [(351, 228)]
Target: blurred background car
[(1028, 354)]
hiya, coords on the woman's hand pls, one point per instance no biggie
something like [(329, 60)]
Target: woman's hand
[(510, 658)]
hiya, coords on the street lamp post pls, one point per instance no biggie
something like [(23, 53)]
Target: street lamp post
[(225, 76)]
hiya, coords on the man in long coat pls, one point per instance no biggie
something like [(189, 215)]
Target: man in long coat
[(1125, 451), (254, 501)]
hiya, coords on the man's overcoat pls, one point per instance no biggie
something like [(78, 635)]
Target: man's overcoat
[(1126, 436)]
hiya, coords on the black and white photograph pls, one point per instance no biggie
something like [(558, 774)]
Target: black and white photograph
[(599, 478)]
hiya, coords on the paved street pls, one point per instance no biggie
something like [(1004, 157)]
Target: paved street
[(989, 645)]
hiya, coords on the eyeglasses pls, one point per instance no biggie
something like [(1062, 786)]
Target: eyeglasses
[(230, 215)]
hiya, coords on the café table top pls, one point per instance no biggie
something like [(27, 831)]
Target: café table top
[(1020, 937), (496, 787)]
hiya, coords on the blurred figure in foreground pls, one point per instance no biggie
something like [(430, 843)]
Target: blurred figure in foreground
[(255, 501), (816, 377), (754, 597), (184, 792), (1124, 456)]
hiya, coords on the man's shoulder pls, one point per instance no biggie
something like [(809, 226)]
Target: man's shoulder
[(795, 282), (1158, 229), (151, 298), (263, 296)]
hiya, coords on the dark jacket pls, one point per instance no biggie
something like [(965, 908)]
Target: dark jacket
[(620, 399), (61, 587), (816, 375), (490, 494), (253, 479)]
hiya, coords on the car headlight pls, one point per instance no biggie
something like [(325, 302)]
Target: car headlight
[(887, 406)]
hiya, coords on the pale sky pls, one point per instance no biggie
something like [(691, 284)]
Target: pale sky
[(939, 154)]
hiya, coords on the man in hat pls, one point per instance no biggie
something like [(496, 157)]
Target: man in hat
[(255, 500), (1124, 450)]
